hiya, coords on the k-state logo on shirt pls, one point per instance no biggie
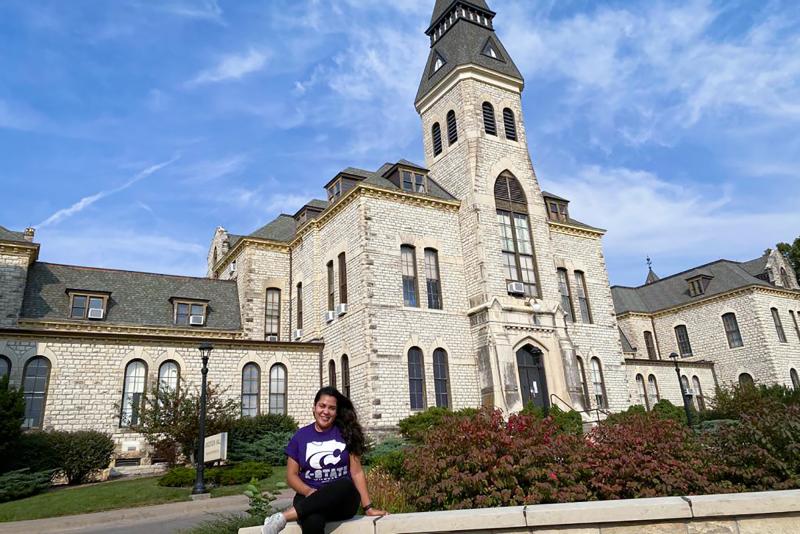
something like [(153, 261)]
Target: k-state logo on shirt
[(321, 454)]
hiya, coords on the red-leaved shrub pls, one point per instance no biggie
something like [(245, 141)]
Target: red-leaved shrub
[(645, 456)]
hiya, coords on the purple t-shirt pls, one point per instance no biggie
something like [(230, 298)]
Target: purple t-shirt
[(322, 456)]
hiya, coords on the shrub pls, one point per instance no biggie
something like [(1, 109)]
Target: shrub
[(761, 451), (483, 461), (258, 504), (268, 449), (35, 451), (664, 409), (23, 483), (251, 429), (178, 477), (569, 422), (643, 455), (734, 401), (239, 473), (414, 427), (82, 453), (387, 492), (12, 412), (389, 455)]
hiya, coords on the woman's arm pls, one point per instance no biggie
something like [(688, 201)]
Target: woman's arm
[(293, 478), (360, 482)]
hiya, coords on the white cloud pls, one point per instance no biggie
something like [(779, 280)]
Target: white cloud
[(232, 67), (210, 170), (87, 201), (194, 9)]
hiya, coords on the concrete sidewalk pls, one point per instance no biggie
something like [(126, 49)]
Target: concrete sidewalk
[(159, 519)]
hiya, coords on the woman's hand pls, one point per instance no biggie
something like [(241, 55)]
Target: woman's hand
[(310, 491), (374, 512)]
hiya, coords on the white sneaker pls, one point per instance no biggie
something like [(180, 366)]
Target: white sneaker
[(273, 524)]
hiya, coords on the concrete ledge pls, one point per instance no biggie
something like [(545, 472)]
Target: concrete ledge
[(741, 504), (770, 511)]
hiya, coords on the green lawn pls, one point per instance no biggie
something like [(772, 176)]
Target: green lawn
[(112, 496)]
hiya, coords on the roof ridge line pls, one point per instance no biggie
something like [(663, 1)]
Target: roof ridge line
[(111, 269)]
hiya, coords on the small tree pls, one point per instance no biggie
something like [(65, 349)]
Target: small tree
[(171, 417), (792, 254), (12, 413)]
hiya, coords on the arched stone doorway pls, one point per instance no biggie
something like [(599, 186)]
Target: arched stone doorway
[(532, 378)]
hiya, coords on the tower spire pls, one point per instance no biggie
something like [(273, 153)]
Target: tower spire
[(462, 33), (651, 276)]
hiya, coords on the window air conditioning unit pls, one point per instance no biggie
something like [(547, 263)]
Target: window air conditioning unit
[(272, 338), (196, 320), (95, 313), (689, 392), (298, 334), (516, 288), (341, 309), (330, 315)]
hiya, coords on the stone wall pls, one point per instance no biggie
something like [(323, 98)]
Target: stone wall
[(86, 377), (772, 512), (13, 275), (666, 381)]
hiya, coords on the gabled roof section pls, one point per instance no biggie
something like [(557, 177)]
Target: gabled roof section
[(463, 44), (547, 194), (9, 235), (281, 229), (673, 291), (135, 298)]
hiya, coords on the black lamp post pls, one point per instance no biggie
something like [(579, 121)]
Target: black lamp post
[(684, 394), (199, 484)]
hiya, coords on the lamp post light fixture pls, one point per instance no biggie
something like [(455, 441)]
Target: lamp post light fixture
[(684, 394), (199, 483)]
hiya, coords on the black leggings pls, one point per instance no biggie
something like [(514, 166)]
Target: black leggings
[(336, 501)]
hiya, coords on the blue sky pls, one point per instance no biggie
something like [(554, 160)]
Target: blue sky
[(130, 129)]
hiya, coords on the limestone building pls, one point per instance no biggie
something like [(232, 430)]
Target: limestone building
[(454, 282)]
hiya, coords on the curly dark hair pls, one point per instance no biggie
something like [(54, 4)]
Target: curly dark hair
[(346, 420)]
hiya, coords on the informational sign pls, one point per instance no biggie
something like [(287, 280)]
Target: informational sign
[(216, 447)]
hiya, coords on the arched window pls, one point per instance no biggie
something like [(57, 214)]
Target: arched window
[(277, 389), (5, 366), (642, 390), (132, 392), (684, 385), (452, 128), (408, 264), (168, 375), (332, 373), (515, 233), (699, 399), (272, 322), (416, 379), (509, 124), (35, 378), (251, 390), (600, 398), (584, 383), (433, 285), (650, 344), (342, 278), (653, 390), (732, 330), (489, 125), (566, 300), (441, 378), (682, 335), (436, 134), (794, 321), (345, 376), (795, 379), (776, 317), (745, 379)]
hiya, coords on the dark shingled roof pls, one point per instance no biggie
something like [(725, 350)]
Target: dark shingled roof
[(281, 229), (9, 235), (547, 194), (136, 298), (626, 344), (463, 45), (444, 5), (674, 290)]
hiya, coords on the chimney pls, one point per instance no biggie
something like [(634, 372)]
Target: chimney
[(28, 234)]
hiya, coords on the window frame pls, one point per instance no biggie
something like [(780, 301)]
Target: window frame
[(652, 383), (345, 365), (509, 117), (88, 295), (487, 110), (441, 383), (416, 380), (685, 344), (284, 396), (272, 317), (566, 294), (794, 378), (776, 318), (7, 362), (560, 213), (408, 282), (332, 372), (436, 139), (794, 321), (452, 128), (601, 397), (513, 209), (39, 423), (584, 383), (342, 261), (699, 398), (335, 190), (257, 394), (299, 293), (160, 380), (583, 300), (123, 423), (331, 286), (650, 345), (176, 303), (732, 332), (641, 389), (433, 285), (746, 379)]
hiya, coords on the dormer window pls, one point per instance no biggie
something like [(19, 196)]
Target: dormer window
[(87, 306), (334, 191), (414, 182), (557, 211), (698, 285), (190, 313)]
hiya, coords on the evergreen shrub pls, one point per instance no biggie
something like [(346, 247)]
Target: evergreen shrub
[(414, 427), (268, 449), (80, 454), (229, 475), (23, 483)]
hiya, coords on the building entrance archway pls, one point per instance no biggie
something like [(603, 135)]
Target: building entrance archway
[(532, 378)]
